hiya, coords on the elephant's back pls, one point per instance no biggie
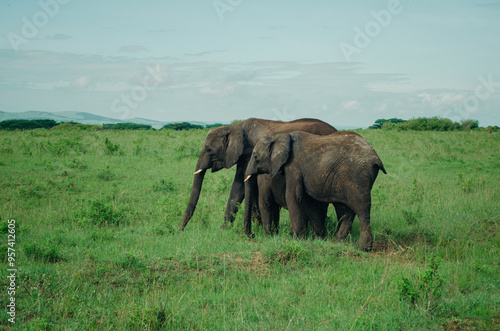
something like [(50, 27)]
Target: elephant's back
[(309, 125)]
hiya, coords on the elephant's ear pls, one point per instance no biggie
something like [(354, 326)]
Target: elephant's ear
[(280, 150), (235, 141)]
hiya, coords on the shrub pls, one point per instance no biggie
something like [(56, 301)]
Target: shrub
[(26, 124), (469, 124), (425, 124), (110, 147), (436, 124), (126, 126), (425, 292), (383, 123), (216, 125), (182, 126), (73, 126)]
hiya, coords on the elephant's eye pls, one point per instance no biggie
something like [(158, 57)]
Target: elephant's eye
[(208, 149)]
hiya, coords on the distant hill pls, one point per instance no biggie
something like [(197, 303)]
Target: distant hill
[(81, 117)]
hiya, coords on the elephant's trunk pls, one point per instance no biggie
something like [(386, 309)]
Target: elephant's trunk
[(250, 183), (204, 163), (193, 199)]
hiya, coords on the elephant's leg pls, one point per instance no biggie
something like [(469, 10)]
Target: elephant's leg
[(275, 218), (269, 209), (345, 217), (361, 205), (316, 213), (366, 237), (298, 218), (269, 212), (235, 197)]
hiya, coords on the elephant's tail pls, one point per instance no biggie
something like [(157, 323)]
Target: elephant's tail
[(380, 166)]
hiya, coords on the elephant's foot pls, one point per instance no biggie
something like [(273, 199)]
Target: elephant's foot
[(366, 242)]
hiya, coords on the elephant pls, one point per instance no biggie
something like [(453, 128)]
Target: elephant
[(339, 168), (233, 144)]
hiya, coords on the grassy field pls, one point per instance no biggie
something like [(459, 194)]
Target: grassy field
[(97, 247)]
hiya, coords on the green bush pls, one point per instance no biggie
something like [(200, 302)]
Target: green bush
[(386, 123), (424, 292), (110, 147), (126, 126), (216, 125), (73, 126), (11, 125), (469, 124), (182, 126), (425, 124)]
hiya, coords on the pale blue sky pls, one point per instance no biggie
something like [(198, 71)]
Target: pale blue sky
[(346, 62)]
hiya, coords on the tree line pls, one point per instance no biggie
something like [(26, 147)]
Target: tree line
[(416, 124), (11, 125), (427, 124)]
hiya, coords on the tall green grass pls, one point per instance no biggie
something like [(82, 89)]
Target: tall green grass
[(97, 214)]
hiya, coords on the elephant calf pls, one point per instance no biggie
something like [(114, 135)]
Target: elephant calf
[(339, 168)]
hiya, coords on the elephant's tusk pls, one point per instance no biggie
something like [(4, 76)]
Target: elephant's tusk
[(197, 171), (248, 177)]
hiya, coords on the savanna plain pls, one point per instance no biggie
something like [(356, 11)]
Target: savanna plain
[(98, 248)]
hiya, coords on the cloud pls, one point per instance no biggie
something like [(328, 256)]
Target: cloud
[(275, 27), (441, 99), (46, 85), (165, 30), (338, 93), (82, 82), (241, 77), (133, 49), (203, 53), (218, 90), (58, 36), (198, 54), (350, 104)]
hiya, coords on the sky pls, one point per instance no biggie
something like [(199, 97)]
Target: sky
[(348, 63)]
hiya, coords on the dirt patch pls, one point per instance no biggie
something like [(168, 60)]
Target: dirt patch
[(470, 324), (256, 265), (392, 251)]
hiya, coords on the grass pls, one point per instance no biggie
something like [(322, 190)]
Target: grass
[(97, 245)]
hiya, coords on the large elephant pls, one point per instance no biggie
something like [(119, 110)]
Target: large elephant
[(233, 144), (339, 168)]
